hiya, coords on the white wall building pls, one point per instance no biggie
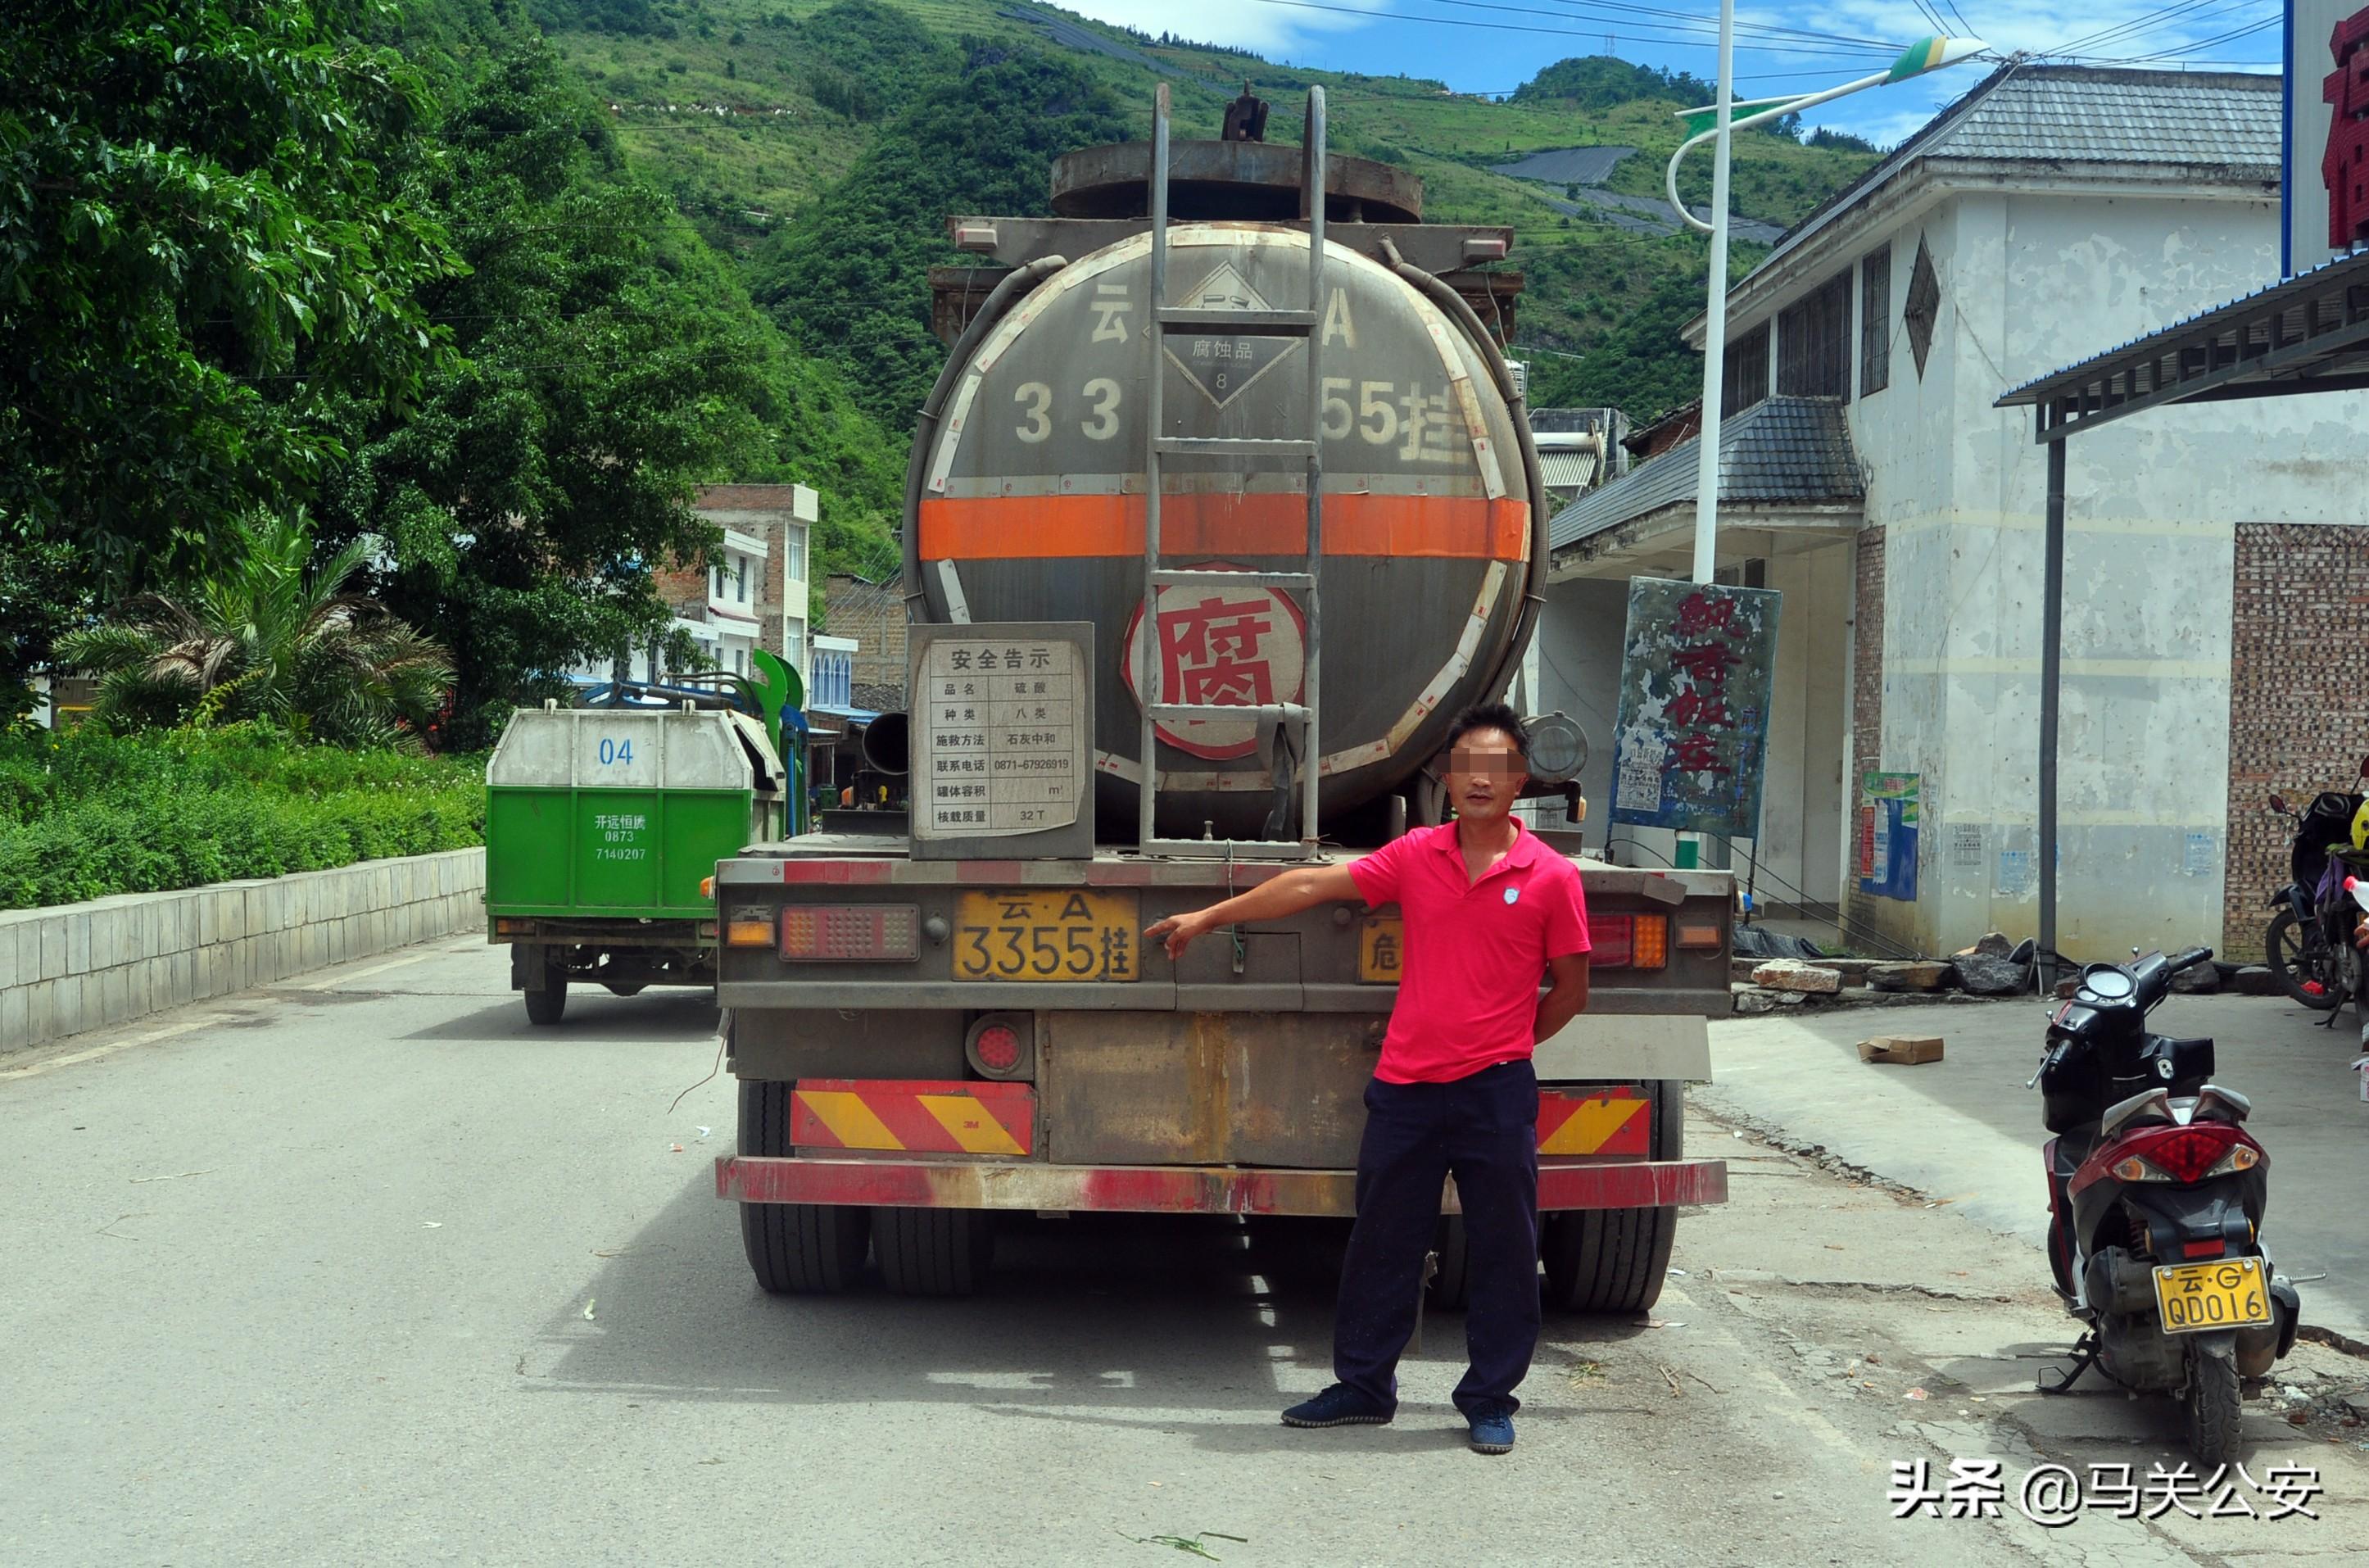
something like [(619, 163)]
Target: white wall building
[(2053, 212)]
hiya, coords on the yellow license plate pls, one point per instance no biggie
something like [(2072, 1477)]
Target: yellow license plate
[(1046, 936), (2198, 1297), (1382, 950)]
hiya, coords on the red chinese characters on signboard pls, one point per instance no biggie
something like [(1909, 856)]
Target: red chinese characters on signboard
[(2344, 166), (1699, 723), (1235, 648)]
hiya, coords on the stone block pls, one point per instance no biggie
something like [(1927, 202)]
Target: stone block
[(1759, 999), (39, 1011), (53, 948), (16, 1017), (66, 1004), (78, 944), (215, 968), (182, 983), (115, 994), (108, 947), (8, 957), (1928, 974), (1793, 975), (1987, 974), (153, 922)]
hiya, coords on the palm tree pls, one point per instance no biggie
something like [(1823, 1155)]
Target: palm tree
[(263, 639)]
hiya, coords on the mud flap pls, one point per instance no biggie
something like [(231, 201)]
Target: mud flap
[(530, 969)]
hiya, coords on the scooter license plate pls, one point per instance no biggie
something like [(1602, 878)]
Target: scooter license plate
[(2196, 1297)]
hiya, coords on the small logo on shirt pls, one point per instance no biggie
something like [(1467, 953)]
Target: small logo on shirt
[(1512, 894)]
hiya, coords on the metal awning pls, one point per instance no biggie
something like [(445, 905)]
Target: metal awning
[(2308, 334)]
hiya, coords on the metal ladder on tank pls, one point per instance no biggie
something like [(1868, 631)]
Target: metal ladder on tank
[(1298, 719)]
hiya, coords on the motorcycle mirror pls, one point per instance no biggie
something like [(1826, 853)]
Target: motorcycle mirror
[(2365, 768), (2278, 802)]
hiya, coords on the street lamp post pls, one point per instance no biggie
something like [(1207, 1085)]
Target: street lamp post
[(1718, 121)]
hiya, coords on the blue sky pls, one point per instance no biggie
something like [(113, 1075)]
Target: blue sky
[(1476, 47)]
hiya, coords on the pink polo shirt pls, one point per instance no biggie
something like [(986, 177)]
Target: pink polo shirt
[(1475, 953)]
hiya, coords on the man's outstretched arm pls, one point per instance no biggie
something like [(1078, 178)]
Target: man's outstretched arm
[(1288, 894)]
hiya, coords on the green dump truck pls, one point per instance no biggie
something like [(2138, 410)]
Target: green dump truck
[(602, 823)]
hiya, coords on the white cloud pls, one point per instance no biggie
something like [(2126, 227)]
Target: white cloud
[(1272, 30)]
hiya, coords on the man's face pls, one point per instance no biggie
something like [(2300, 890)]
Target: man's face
[(1484, 775)]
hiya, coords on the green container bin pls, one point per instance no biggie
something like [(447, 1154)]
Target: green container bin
[(612, 813)]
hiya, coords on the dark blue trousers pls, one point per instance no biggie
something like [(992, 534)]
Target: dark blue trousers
[(1482, 1129)]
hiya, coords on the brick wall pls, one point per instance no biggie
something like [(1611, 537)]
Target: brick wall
[(874, 614), (2298, 698), (1866, 707)]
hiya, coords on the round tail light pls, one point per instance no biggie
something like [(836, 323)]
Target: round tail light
[(999, 1048), (1001, 1045)]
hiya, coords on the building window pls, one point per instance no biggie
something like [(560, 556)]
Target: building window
[(1875, 320), (794, 557), (1746, 379), (1924, 307), (719, 589), (740, 579), (1814, 342)]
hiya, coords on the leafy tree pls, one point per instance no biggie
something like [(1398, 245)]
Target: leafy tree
[(606, 370), (848, 277), (201, 259), (261, 637), (44, 593)]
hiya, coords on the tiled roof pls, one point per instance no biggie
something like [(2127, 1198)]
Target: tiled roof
[(2086, 114), (1781, 450)]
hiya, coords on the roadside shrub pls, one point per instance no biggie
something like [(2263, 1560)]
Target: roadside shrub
[(84, 815)]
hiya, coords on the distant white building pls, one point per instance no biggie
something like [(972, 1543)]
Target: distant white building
[(2050, 212), (750, 592)]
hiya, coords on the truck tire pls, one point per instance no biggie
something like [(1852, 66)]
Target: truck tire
[(1614, 1260), (545, 1007), (794, 1249), (934, 1251)]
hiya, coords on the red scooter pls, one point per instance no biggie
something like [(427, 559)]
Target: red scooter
[(2155, 1194)]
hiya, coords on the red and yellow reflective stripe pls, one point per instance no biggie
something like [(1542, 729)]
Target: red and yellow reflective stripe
[(913, 1115), (987, 528), (1612, 1123)]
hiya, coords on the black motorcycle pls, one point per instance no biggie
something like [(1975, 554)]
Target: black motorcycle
[(2156, 1195), (2309, 940)]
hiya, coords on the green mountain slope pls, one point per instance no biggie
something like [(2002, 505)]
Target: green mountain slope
[(822, 142)]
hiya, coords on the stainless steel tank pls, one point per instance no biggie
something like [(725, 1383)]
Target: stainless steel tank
[(1025, 499)]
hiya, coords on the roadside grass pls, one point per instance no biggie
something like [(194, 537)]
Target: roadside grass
[(84, 815)]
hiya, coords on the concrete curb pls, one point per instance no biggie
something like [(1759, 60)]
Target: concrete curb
[(76, 966)]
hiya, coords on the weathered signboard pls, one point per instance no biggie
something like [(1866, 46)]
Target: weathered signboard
[(1691, 742), (1003, 718)]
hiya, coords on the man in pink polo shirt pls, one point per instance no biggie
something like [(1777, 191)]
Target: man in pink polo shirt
[(1487, 911)]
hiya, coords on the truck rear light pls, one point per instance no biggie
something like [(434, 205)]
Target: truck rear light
[(850, 933), (512, 928), (1000, 1046), (1650, 944), (1609, 936), (749, 927), (1699, 937)]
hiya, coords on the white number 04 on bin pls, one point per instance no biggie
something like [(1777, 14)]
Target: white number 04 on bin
[(2197, 1296)]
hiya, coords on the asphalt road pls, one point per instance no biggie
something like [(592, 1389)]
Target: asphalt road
[(366, 1270)]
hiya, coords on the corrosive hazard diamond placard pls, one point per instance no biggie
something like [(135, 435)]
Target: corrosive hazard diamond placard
[(1223, 364)]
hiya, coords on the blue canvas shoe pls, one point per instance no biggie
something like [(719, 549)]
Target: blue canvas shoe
[(1492, 1431), (1339, 1406)]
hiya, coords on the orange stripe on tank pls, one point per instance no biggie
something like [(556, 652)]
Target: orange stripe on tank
[(1043, 527)]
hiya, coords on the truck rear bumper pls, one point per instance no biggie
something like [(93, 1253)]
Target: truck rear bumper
[(1174, 1189)]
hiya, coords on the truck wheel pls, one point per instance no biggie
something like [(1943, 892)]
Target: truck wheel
[(1614, 1260), (794, 1249), (1452, 1285), (934, 1251), (546, 1006)]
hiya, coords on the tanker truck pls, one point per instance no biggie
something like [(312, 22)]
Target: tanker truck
[(1223, 506)]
